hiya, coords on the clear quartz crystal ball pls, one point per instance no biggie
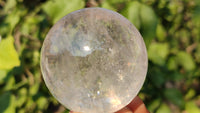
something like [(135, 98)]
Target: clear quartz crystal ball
[(94, 61)]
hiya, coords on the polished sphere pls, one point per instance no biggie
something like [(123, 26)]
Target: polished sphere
[(94, 61)]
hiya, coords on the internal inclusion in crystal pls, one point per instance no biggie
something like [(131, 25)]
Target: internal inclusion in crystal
[(94, 61)]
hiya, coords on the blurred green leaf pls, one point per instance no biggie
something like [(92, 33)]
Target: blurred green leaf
[(175, 96), (184, 34), (22, 111), (31, 24), (42, 102), (9, 5), (197, 53), (158, 78), (116, 1), (160, 33), (132, 12), (191, 107), (148, 23), (190, 94), (196, 18), (197, 73), (34, 89), (154, 105), (10, 83), (175, 76), (164, 109), (172, 64), (144, 18), (4, 101), (196, 12), (173, 7), (22, 96), (56, 9), (13, 19), (4, 29), (106, 5), (7, 103), (162, 4), (158, 52), (3, 74), (8, 55), (185, 60), (30, 104), (36, 58)]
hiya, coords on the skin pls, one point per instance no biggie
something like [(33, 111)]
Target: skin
[(136, 106)]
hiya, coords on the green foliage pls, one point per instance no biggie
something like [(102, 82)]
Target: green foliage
[(164, 109), (154, 105), (185, 60), (191, 107), (174, 96), (3, 74), (107, 5), (59, 8), (148, 23), (8, 55), (7, 104), (171, 31), (158, 52), (143, 17), (161, 33), (9, 5), (132, 12)]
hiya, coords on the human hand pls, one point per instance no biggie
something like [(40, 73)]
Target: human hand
[(136, 106)]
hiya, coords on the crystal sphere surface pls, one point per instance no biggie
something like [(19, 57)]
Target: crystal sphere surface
[(94, 61)]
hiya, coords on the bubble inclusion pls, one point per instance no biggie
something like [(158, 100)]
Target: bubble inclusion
[(94, 61)]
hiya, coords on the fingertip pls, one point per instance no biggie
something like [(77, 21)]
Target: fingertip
[(141, 109), (137, 106)]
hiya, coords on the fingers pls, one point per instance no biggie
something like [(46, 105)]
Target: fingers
[(124, 110), (73, 112), (137, 106)]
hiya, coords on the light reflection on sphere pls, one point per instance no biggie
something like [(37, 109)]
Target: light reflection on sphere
[(94, 61)]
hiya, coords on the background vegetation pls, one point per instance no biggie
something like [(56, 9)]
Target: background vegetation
[(171, 30)]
